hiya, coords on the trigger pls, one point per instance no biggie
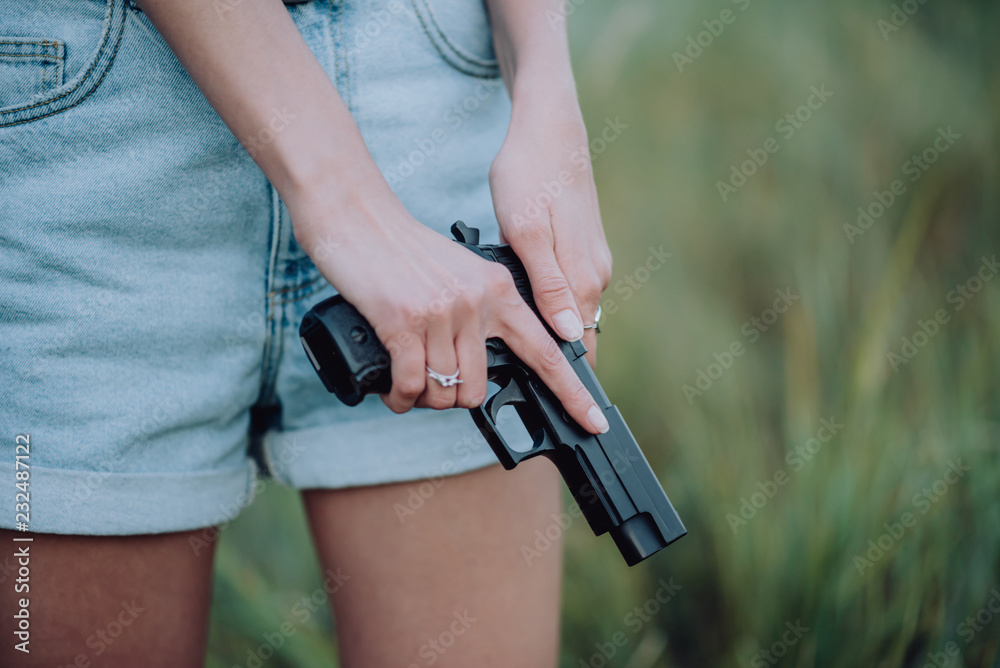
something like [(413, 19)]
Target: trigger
[(508, 394)]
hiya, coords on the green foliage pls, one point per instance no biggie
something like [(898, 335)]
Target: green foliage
[(795, 560)]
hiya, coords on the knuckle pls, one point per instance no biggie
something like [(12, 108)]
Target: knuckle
[(410, 387), (499, 278), (580, 396), (603, 271), (590, 290), (397, 407), (473, 397), (471, 298), (535, 232), (550, 357), (439, 401), (549, 287), (406, 314)]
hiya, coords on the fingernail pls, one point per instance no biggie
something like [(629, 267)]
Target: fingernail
[(569, 326), (596, 417)]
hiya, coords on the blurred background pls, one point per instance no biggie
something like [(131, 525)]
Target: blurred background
[(840, 476)]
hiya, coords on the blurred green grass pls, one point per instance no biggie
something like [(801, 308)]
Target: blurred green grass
[(825, 357)]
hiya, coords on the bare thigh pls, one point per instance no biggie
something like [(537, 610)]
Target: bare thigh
[(107, 601), (447, 585)]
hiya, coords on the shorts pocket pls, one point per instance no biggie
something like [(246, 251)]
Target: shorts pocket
[(460, 31), (31, 71), (29, 68)]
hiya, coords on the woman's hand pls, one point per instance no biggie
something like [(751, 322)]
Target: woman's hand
[(432, 302), (546, 204)]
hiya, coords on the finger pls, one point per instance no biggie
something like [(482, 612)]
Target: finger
[(441, 358), (589, 307), (529, 340), (471, 349), (409, 377), (590, 341), (551, 290)]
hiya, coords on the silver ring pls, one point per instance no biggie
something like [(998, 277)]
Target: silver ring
[(597, 319), (443, 380)]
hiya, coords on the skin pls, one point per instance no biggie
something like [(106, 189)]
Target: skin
[(80, 586), (462, 549), (460, 552)]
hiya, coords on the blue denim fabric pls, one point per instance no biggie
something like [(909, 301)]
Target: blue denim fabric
[(151, 287)]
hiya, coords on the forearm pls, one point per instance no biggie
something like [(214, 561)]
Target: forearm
[(257, 72), (532, 50)]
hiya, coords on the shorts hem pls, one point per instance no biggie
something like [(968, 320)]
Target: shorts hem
[(100, 503), (418, 445)]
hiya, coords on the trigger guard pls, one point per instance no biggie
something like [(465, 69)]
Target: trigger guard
[(507, 395)]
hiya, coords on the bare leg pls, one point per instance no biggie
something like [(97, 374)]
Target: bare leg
[(449, 585), (108, 601)]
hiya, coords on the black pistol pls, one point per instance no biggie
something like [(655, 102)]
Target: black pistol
[(607, 474)]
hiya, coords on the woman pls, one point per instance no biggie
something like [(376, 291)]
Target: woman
[(154, 276)]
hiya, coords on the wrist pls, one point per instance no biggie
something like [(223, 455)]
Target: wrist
[(335, 209), (549, 114), (542, 85)]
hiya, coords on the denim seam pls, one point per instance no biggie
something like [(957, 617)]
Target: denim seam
[(97, 84), (459, 52), (340, 55), (273, 331), (294, 288), (309, 284), (44, 42), (454, 52), (100, 51)]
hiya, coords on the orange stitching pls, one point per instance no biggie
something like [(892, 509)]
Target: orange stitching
[(96, 85), (44, 42), (100, 52), (293, 288)]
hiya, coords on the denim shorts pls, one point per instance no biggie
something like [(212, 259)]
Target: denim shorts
[(150, 284)]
